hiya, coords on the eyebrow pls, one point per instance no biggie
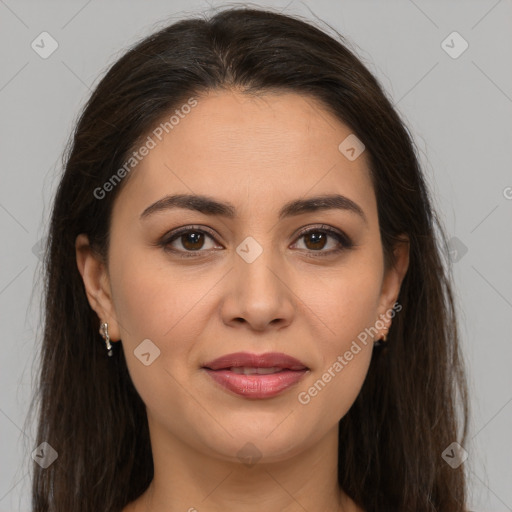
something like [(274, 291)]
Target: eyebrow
[(210, 206)]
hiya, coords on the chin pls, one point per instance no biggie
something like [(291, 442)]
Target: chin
[(265, 441)]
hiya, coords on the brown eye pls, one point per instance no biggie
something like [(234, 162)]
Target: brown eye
[(190, 241), (317, 239), (193, 240), (187, 241)]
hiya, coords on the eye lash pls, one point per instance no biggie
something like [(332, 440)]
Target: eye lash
[(345, 241), (168, 238), (342, 238)]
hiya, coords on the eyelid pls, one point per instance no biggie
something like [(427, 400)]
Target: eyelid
[(324, 227), (175, 233)]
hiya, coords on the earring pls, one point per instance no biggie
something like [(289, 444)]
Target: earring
[(106, 337), (381, 341)]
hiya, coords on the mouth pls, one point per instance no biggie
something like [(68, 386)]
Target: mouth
[(256, 376)]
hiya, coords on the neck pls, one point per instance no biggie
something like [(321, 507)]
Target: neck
[(186, 479)]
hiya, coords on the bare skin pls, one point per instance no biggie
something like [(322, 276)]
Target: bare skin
[(257, 154)]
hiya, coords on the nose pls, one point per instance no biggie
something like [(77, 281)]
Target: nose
[(258, 294)]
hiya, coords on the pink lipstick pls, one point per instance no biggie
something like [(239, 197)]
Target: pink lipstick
[(256, 376)]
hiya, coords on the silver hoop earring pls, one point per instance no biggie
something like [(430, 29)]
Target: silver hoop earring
[(106, 337)]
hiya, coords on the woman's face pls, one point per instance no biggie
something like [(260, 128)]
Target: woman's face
[(250, 281)]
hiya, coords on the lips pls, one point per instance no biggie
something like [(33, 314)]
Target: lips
[(248, 360), (256, 376)]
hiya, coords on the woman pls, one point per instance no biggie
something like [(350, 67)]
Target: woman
[(246, 304)]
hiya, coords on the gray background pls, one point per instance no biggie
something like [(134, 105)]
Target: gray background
[(458, 110)]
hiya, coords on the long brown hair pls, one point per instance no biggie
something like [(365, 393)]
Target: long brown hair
[(413, 403)]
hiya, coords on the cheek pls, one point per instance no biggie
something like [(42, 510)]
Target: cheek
[(345, 358), (149, 298), (165, 304), (347, 304), (348, 311), (151, 303), (334, 390)]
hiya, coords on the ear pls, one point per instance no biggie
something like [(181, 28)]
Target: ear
[(97, 284), (392, 281)]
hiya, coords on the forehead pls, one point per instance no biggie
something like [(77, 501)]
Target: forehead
[(256, 151)]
